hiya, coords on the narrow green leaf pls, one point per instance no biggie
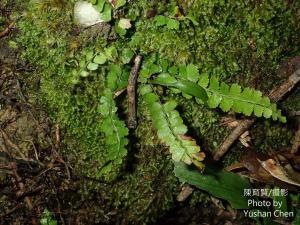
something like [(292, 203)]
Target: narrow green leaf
[(100, 5), (191, 88), (165, 79), (106, 14), (221, 184)]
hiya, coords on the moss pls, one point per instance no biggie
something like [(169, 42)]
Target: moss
[(147, 189), (235, 41)]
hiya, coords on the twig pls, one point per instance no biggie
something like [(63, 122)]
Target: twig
[(9, 211), (7, 29), (57, 135), (296, 141), (275, 95), (131, 91), (11, 144), (21, 186), (235, 134)]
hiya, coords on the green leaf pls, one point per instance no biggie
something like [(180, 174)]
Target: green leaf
[(246, 101), (258, 110), (113, 129), (100, 5), (224, 88), (267, 113), (173, 70), (89, 55), (165, 79), (115, 72), (160, 20), (192, 72), (92, 66), (82, 63), (84, 73), (183, 72), (214, 101), (221, 184), (172, 24), (235, 90), (127, 55), (164, 65), (185, 86), (214, 84), (111, 52), (226, 104), (106, 14), (170, 128), (248, 109), (203, 80), (100, 59)]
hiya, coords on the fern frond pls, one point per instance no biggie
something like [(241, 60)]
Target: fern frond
[(246, 101), (216, 94), (114, 130), (171, 130)]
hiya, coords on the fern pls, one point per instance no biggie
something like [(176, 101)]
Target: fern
[(114, 130), (245, 101), (210, 91), (171, 130)]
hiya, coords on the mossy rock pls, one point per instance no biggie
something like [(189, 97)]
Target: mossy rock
[(236, 42)]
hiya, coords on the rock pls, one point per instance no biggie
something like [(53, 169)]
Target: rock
[(85, 14)]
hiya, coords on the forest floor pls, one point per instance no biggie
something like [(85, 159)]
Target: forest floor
[(38, 182)]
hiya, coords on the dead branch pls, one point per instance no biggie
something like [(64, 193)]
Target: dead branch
[(131, 91), (275, 95)]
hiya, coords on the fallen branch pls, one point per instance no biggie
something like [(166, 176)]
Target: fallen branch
[(7, 29), (275, 95), (131, 92)]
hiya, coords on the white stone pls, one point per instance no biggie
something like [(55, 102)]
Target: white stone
[(85, 14)]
